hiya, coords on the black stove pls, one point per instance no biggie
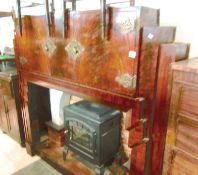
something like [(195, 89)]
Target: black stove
[(92, 131)]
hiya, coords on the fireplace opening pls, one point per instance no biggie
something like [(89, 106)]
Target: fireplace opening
[(51, 139)]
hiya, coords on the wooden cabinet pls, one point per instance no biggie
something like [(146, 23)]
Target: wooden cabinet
[(10, 115), (181, 155)]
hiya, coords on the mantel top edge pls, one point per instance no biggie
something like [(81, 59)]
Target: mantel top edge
[(108, 98)]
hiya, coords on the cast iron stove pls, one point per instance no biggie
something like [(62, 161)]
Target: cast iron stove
[(92, 131)]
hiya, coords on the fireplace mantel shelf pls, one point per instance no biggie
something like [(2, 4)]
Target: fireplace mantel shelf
[(109, 98)]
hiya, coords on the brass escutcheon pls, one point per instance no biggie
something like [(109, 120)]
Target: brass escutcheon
[(49, 47), (22, 60), (74, 49), (127, 80)]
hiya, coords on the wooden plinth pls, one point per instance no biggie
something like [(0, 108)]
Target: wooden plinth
[(73, 165), (56, 134)]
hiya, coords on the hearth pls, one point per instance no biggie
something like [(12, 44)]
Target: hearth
[(93, 132)]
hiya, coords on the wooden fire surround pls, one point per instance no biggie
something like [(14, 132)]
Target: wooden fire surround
[(122, 64)]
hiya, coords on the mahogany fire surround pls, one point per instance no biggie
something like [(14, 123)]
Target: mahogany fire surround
[(133, 52)]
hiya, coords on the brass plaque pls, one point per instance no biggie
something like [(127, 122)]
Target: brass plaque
[(74, 49), (127, 80), (127, 25)]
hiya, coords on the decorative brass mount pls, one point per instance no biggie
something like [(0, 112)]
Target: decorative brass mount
[(22, 60), (127, 80), (74, 49), (49, 47), (127, 25)]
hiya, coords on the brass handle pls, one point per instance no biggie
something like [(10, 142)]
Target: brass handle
[(143, 141), (145, 138), (94, 143), (137, 114)]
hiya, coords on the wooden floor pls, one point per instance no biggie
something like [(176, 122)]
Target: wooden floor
[(14, 158)]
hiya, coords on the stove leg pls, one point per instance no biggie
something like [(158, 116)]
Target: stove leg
[(65, 152), (100, 170)]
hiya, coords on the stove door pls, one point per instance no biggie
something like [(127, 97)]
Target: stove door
[(81, 137)]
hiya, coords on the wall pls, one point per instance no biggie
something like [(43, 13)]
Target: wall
[(181, 14), (6, 33), (6, 26)]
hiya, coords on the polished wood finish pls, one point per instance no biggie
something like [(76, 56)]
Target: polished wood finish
[(92, 68), (181, 141), (151, 39), (153, 60), (56, 133), (168, 53), (130, 49), (10, 109)]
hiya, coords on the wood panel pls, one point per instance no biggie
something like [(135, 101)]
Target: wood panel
[(183, 164), (152, 37), (168, 53), (189, 103), (186, 136), (10, 107), (102, 62), (181, 141), (13, 120), (32, 45), (4, 119)]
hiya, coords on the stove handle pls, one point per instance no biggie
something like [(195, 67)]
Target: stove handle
[(67, 133), (94, 143)]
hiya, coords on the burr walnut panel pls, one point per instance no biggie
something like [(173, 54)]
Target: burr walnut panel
[(32, 49), (109, 64)]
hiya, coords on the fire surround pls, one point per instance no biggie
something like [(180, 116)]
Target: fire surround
[(93, 75)]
